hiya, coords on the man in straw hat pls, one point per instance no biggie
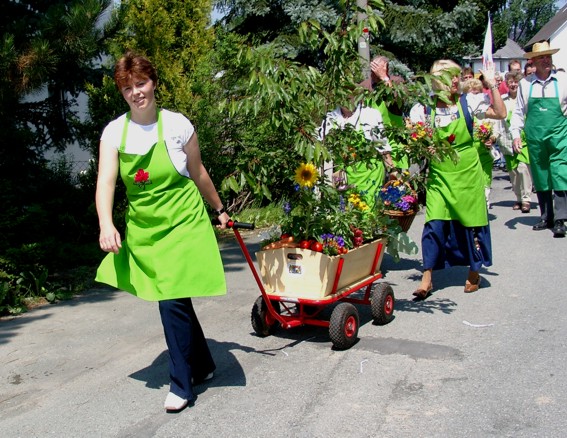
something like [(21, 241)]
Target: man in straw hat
[(541, 111)]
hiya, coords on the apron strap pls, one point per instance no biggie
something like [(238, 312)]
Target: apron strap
[(466, 113), (556, 89), (159, 126), (125, 132)]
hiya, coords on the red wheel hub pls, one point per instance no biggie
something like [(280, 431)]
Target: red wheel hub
[(350, 326), (389, 304)]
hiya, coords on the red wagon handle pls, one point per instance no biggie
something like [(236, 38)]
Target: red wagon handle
[(248, 226), (235, 225)]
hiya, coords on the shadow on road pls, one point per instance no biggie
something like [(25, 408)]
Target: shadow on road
[(229, 372)]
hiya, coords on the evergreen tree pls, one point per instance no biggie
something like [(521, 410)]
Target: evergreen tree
[(48, 49)]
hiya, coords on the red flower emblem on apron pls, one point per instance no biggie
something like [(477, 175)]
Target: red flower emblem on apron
[(142, 178)]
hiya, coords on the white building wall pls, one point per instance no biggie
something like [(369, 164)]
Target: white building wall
[(559, 41)]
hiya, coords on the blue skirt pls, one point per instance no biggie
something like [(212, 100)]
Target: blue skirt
[(449, 243)]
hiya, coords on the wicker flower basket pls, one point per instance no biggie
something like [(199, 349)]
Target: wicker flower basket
[(404, 218)]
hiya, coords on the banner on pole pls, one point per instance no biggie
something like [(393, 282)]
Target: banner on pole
[(487, 62)]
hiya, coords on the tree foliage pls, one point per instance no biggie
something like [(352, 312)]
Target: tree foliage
[(47, 51), (416, 32), (520, 20), (291, 99)]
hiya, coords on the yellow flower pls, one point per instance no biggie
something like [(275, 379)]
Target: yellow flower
[(354, 199), (306, 175)]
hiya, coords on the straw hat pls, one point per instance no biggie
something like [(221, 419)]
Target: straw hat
[(540, 49)]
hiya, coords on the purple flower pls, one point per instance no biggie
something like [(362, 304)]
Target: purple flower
[(287, 207)]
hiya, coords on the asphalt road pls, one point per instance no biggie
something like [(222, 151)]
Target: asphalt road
[(489, 364)]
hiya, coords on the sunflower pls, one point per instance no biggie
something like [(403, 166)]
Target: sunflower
[(306, 175)]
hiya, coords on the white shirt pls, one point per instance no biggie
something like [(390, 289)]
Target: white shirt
[(477, 105), (502, 127), (177, 130), (364, 118), (540, 89)]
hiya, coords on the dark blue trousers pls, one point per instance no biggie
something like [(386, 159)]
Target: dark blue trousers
[(189, 354), (449, 243)]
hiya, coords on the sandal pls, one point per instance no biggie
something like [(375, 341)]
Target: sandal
[(422, 294), (525, 207), (517, 206), (472, 286)]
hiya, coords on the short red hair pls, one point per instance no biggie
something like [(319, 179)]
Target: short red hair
[(132, 65)]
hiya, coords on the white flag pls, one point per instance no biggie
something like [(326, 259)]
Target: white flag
[(487, 62)]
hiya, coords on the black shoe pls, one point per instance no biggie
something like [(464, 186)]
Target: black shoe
[(559, 228), (543, 225)]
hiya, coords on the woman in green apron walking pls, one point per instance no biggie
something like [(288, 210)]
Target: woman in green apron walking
[(483, 146), (169, 253), (456, 230), (541, 110)]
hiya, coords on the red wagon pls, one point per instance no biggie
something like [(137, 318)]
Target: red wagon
[(293, 305)]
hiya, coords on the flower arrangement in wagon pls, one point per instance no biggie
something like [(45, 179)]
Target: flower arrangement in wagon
[(323, 217)]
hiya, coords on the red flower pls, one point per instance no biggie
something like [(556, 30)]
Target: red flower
[(451, 138), (142, 178)]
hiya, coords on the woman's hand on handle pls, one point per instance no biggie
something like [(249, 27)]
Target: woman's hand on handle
[(223, 220)]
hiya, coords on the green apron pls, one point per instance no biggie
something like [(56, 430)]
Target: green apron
[(456, 191), (170, 250), (486, 160), (546, 133), (512, 161), (399, 159), (368, 180)]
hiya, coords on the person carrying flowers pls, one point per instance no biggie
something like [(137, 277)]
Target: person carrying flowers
[(366, 177), (483, 133), (456, 230)]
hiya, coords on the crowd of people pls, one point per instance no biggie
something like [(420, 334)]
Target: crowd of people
[(170, 253), (522, 108)]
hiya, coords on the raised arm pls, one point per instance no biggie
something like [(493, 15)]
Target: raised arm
[(497, 110)]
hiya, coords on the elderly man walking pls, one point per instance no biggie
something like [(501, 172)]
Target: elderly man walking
[(541, 110)]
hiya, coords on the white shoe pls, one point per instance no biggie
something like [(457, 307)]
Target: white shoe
[(208, 377), (174, 402)]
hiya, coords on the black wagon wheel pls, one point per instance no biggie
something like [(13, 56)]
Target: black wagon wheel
[(264, 323), (343, 326), (382, 303)]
